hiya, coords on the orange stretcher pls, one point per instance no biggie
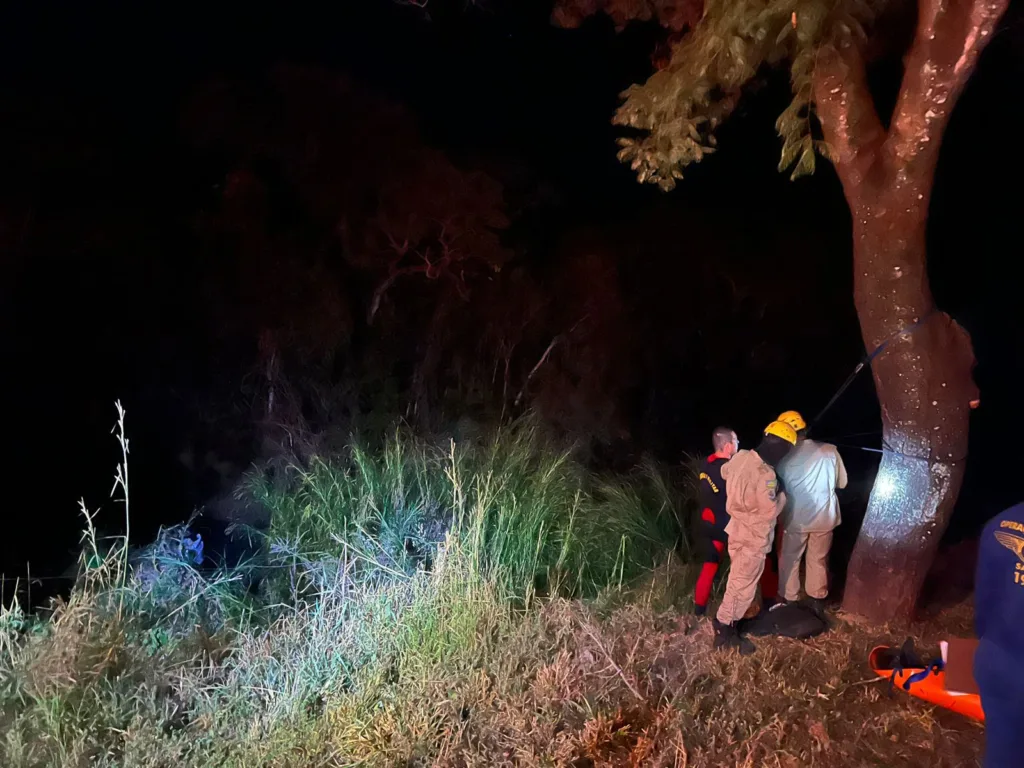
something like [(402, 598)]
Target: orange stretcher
[(925, 681)]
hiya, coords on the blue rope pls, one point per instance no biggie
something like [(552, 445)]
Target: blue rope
[(905, 332), (867, 360), (935, 667)]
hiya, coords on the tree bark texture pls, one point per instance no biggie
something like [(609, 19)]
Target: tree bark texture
[(922, 373)]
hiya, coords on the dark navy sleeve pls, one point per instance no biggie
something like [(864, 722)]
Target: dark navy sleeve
[(999, 579), (999, 622)]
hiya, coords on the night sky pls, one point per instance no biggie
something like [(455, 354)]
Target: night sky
[(90, 113)]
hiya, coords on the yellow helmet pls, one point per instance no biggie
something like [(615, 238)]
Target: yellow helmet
[(783, 430), (794, 419)]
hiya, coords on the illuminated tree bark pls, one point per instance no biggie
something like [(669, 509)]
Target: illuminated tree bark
[(923, 377)]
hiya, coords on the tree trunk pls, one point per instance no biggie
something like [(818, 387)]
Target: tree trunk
[(923, 380), (922, 360)]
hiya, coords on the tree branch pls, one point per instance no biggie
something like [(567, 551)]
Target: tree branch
[(384, 286), (544, 357), (847, 112), (950, 36)]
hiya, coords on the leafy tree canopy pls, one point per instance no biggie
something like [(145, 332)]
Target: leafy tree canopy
[(675, 113)]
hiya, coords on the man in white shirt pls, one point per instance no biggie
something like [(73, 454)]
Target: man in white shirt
[(810, 474)]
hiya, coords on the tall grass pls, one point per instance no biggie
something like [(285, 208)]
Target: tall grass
[(384, 574), (531, 518)]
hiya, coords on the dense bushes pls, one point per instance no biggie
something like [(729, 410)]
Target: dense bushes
[(382, 570)]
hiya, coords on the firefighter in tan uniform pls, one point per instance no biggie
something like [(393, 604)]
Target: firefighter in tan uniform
[(753, 503)]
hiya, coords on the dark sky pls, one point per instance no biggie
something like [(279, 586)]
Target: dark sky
[(494, 85)]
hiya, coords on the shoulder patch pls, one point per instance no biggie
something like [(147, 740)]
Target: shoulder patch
[(1012, 542), (773, 488), (706, 476)]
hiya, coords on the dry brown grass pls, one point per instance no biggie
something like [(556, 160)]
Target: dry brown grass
[(636, 688), (571, 684)]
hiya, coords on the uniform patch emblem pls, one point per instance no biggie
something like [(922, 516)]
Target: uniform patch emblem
[(705, 476), (1012, 542)]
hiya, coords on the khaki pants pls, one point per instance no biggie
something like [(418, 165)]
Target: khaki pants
[(745, 567), (794, 545)]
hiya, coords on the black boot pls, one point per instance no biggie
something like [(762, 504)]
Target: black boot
[(727, 637), (700, 610), (817, 606), (746, 647)]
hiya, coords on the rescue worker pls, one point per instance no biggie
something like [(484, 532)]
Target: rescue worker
[(712, 517), (811, 473), (754, 502), (999, 624)]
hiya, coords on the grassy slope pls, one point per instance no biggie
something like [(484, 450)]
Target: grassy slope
[(488, 604)]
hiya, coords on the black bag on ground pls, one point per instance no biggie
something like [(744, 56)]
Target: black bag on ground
[(785, 620)]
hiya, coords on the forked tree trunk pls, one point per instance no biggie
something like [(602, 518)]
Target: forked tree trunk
[(923, 375)]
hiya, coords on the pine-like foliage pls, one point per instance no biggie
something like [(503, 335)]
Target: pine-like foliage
[(679, 107)]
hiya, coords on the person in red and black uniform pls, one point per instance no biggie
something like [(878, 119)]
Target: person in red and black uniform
[(709, 526)]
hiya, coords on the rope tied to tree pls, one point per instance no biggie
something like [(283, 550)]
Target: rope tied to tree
[(865, 361)]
